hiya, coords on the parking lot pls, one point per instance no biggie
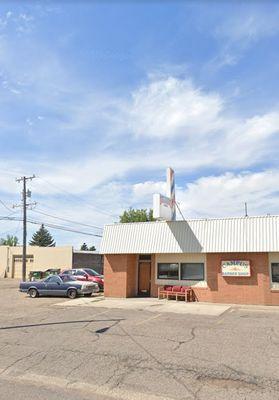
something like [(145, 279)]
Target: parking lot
[(50, 350)]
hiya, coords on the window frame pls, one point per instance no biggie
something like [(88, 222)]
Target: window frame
[(192, 279), (271, 272), (173, 281), (55, 279), (169, 278)]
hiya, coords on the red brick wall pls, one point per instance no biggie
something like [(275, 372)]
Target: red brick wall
[(239, 290), (120, 275), (132, 270), (121, 279)]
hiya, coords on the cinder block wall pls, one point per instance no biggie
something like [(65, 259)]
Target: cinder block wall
[(88, 260)]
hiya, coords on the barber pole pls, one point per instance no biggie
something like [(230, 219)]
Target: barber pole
[(171, 192)]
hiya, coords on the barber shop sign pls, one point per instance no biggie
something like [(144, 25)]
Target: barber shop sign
[(236, 268)]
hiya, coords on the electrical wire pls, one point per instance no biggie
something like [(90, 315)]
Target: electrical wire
[(12, 231), (66, 220), (7, 216), (53, 226), (62, 228), (4, 205)]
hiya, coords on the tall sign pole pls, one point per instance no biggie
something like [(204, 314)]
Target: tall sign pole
[(171, 192), (25, 194)]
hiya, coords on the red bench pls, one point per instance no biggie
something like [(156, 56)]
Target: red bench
[(184, 292)]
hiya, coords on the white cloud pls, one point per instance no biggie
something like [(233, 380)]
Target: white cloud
[(208, 196), (166, 120), (262, 127), (200, 134), (225, 195), (20, 22), (171, 106), (240, 30), (146, 189), (250, 27)]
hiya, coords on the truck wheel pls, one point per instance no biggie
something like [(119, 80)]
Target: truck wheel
[(33, 293), (72, 293)]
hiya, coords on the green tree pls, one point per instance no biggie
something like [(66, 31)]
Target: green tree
[(9, 241), (42, 238), (140, 215)]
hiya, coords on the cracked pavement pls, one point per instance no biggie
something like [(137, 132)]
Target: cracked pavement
[(55, 352)]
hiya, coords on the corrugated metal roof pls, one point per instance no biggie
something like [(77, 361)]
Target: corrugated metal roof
[(245, 234)]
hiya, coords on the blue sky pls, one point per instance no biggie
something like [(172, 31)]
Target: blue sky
[(98, 98)]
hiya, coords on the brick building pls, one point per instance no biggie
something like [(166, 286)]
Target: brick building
[(229, 260)]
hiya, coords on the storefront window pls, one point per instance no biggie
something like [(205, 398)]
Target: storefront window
[(168, 271), (275, 272), (192, 271)]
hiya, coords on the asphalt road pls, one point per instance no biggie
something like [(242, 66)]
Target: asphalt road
[(54, 352)]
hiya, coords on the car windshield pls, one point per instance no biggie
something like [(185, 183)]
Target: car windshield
[(91, 272), (67, 278)]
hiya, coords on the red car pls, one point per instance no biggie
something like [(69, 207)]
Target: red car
[(86, 274)]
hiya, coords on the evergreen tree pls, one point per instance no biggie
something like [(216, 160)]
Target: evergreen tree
[(140, 215), (42, 238), (9, 241), (84, 247)]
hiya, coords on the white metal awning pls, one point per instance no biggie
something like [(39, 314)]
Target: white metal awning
[(246, 234)]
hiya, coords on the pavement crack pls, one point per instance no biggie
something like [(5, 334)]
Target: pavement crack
[(18, 360), (36, 364), (75, 369), (164, 369), (180, 342)]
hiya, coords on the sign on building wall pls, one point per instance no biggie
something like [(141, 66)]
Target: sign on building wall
[(236, 268)]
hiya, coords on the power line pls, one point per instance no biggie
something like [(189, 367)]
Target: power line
[(4, 205), (53, 226), (61, 190), (12, 231), (7, 216), (66, 220), (62, 228)]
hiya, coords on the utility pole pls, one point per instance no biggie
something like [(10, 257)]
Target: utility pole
[(25, 194)]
